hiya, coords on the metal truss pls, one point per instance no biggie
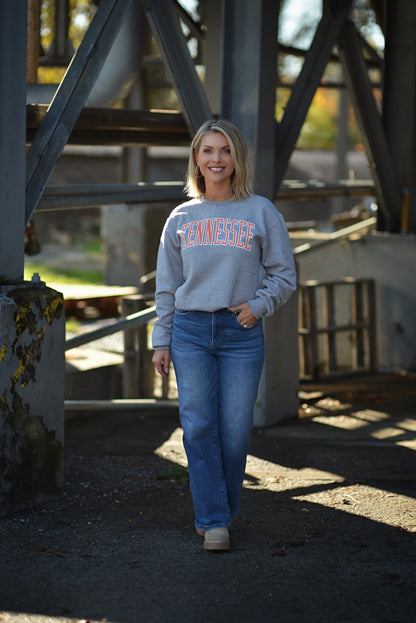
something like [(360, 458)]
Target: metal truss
[(70, 98), (83, 71), (371, 126), (317, 58), (167, 31), (248, 37)]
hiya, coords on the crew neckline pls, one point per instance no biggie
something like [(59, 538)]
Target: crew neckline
[(203, 198)]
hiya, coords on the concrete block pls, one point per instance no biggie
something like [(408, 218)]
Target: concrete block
[(32, 338)]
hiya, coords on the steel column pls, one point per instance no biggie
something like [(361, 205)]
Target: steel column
[(335, 13), (373, 134), (399, 102), (248, 98), (167, 31), (249, 80), (13, 48), (70, 98)]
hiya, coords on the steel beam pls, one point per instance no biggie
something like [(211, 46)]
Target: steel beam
[(374, 137), (113, 126), (13, 47), (96, 195), (70, 98), (335, 12), (166, 28)]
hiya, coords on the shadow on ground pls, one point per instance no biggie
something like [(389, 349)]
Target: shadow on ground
[(326, 532)]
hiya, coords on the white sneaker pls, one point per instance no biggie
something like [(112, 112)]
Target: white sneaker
[(217, 539)]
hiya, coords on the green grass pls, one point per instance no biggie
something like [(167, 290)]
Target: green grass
[(67, 276)]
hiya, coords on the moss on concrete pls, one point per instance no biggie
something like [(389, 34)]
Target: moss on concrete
[(31, 457)]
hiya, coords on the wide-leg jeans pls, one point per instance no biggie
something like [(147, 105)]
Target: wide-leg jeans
[(218, 365)]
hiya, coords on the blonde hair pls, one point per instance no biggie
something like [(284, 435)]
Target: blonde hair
[(242, 177)]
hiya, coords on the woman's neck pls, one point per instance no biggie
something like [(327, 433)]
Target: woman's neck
[(218, 194)]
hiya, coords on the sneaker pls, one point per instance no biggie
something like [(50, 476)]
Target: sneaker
[(217, 539), (200, 531)]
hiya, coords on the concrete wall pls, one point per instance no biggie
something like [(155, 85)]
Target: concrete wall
[(390, 259)]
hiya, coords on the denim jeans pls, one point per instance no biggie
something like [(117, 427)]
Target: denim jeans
[(218, 364)]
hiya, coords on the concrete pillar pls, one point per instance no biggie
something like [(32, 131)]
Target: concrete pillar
[(131, 236), (32, 339), (32, 331), (248, 96)]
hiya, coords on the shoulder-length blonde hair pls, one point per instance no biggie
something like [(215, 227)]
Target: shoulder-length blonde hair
[(242, 177)]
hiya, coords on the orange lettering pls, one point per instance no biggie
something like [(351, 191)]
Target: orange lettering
[(190, 233), (250, 233), (233, 232), (200, 232), (240, 243), (183, 232), (209, 231), (220, 224), (227, 222)]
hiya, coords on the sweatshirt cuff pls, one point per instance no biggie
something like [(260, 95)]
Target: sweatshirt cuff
[(257, 308)]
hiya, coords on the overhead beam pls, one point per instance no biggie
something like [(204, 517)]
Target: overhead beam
[(116, 126), (335, 12), (164, 21), (373, 134), (70, 98), (97, 195)]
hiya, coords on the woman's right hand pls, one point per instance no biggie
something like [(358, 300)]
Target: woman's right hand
[(161, 361)]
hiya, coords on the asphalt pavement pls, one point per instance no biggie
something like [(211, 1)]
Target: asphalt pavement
[(326, 531)]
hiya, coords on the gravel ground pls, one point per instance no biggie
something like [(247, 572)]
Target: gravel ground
[(326, 532)]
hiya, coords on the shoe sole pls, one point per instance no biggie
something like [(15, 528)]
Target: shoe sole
[(217, 546)]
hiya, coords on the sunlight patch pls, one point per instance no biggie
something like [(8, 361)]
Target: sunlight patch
[(359, 419), (365, 501)]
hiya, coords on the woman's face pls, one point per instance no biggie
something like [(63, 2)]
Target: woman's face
[(214, 158)]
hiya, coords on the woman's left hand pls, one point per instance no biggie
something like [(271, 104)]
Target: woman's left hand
[(245, 316)]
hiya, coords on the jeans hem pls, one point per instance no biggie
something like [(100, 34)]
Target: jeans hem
[(220, 524)]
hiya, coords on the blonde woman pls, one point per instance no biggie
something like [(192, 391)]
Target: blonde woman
[(224, 262)]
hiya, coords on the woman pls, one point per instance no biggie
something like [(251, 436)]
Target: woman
[(224, 262)]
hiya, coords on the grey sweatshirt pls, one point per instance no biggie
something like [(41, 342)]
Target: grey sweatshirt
[(218, 255)]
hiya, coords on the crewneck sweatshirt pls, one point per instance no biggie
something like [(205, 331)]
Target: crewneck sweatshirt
[(217, 255)]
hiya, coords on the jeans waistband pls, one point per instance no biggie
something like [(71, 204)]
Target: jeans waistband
[(224, 310)]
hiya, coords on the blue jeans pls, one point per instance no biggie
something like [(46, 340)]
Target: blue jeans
[(218, 364)]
